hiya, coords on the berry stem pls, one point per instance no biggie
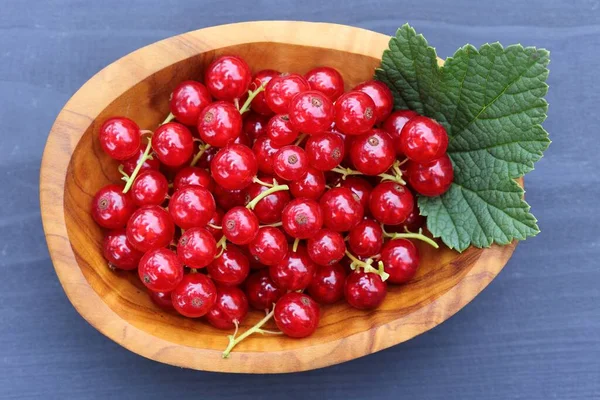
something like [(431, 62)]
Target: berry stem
[(367, 267), (251, 96), (262, 183), (411, 235), (215, 226), (346, 172), (233, 341), (198, 156), (295, 245), (277, 188), (121, 169), (397, 177), (222, 243), (275, 225), (301, 137), (169, 118), (138, 167)]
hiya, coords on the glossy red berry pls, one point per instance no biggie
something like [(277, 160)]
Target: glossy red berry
[(391, 203), (219, 124), (255, 125), (327, 81), (268, 209), (412, 223), (302, 218), (423, 139), (187, 100), (206, 157), (259, 103), (161, 299), (231, 268), (280, 130), (281, 89), (381, 96), (264, 150), (433, 178), (297, 315), (160, 270), (311, 112), (327, 285), (341, 211), (269, 247), (228, 78), (364, 290), (295, 271), (150, 187), (227, 199), (326, 247), (132, 162), (325, 151), (401, 260), (261, 291), (150, 227), (361, 189), (366, 238), (192, 206), (373, 153), (196, 248), (120, 138), (355, 113), (394, 124), (119, 252), (173, 144), (310, 186), (193, 176), (111, 208), (230, 309), (194, 296), (240, 225), (234, 167), (290, 163)]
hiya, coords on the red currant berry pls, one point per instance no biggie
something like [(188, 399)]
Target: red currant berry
[(311, 112), (187, 100), (295, 271), (219, 123), (240, 225), (325, 151), (216, 221), (412, 223), (394, 124), (120, 138), (162, 300), (119, 252), (268, 209), (264, 150), (150, 187), (310, 186), (160, 270), (327, 81), (280, 130), (391, 203), (366, 238), (234, 167), (326, 247), (261, 291), (194, 296), (373, 153), (192, 206), (302, 218), (231, 268), (227, 199), (354, 113), (341, 211), (269, 247), (259, 103), (173, 144), (206, 157), (132, 162), (381, 96), (364, 290), (327, 285), (281, 89), (193, 176), (150, 227), (401, 260), (243, 139), (289, 163), (230, 309), (361, 189), (255, 125), (228, 78), (196, 248), (111, 208), (423, 139), (433, 178), (297, 315)]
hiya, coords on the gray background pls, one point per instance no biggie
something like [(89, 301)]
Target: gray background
[(534, 333)]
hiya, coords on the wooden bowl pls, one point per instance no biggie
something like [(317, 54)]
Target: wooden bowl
[(138, 86)]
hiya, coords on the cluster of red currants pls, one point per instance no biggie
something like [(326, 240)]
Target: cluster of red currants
[(281, 186)]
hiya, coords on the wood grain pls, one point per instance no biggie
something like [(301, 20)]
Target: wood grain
[(138, 86)]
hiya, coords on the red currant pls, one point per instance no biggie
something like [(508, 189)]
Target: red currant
[(311, 112), (227, 199), (261, 291), (269, 247), (234, 167), (289, 163), (310, 186), (196, 248), (173, 144), (150, 187), (119, 252), (366, 238), (431, 179), (219, 124), (193, 176), (216, 221), (354, 113), (295, 271), (423, 139), (412, 223), (194, 296), (297, 315), (255, 125), (206, 157), (401, 260), (132, 162), (281, 89), (259, 103), (192, 206), (231, 268), (327, 81), (326, 247), (230, 309), (373, 153), (327, 285), (240, 225), (111, 208), (394, 124), (228, 78), (381, 96), (391, 203), (364, 290), (280, 130), (160, 270), (162, 299), (187, 100), (150, 227), (361, 189), (264, 150), (268, 209), (341, 211), (325, 151), (120, 138), (302, 218)]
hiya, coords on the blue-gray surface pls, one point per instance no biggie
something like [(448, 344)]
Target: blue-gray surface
[(534, 333)]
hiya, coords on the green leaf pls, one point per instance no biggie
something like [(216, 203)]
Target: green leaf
[(491, 102)]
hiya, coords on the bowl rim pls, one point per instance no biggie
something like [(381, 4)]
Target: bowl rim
[(73, 121)]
